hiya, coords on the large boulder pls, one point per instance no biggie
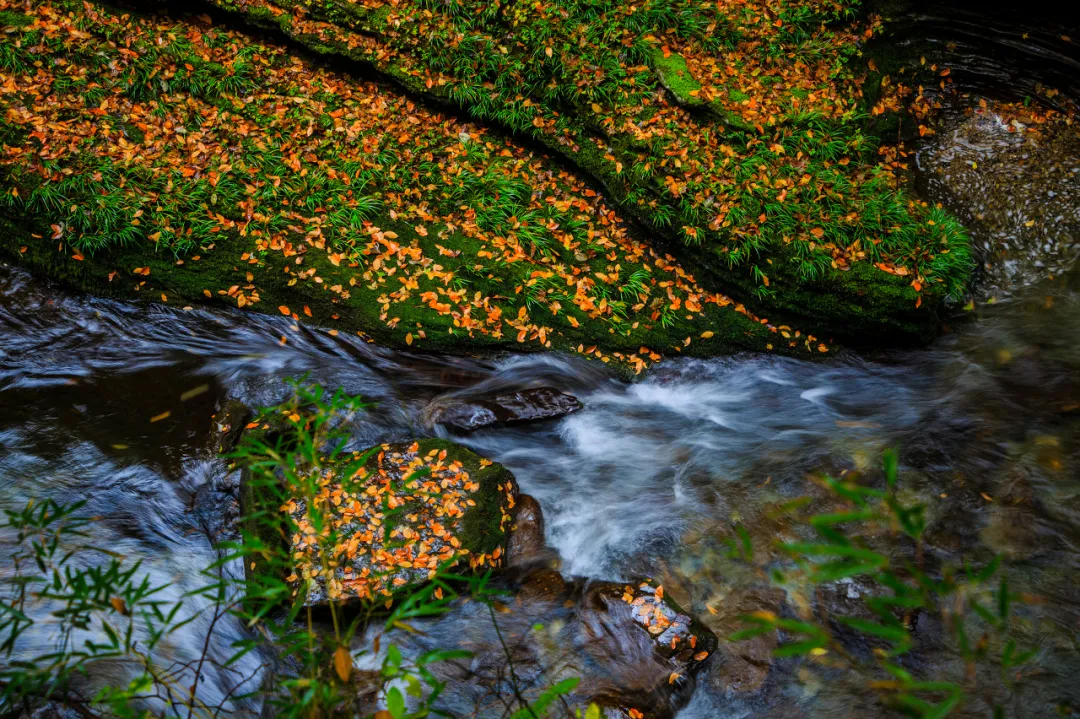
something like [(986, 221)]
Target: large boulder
[(370, 531), (321, 198)]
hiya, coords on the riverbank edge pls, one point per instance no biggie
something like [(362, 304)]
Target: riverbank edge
[(111, 274)]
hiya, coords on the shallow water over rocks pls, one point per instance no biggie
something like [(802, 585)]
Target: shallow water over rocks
[(643, 481)]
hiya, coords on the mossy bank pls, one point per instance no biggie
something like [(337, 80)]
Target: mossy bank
[(211, 167), (173, 160), (738, 133)]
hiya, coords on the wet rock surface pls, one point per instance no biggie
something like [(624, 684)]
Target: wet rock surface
[(526, 543), (742, 667), (1013, 173), (527, 405), (635, 652)]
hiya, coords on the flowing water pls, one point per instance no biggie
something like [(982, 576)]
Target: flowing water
[(650, 476)]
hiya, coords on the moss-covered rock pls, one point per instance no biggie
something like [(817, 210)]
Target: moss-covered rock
[(205, 165), (675, 76), (772, 185), (375, 530)]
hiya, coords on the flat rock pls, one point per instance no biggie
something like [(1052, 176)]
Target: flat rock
[(528, 405)]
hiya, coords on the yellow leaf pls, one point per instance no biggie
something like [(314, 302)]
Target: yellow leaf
[(283, 310), (707, 334), (597, 109), (408, 339), (343, 663)]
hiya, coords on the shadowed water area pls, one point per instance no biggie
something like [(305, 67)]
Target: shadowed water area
[(648, 478)]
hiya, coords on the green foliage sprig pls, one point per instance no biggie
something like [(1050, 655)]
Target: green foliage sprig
[(975, 604)]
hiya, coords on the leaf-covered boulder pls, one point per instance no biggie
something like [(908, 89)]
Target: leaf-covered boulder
[(384, 521)]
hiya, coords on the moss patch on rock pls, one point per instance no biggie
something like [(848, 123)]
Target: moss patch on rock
[(675, 76), (384, 527)]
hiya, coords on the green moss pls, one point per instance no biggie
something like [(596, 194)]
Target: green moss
[(791, 285), (720, 111), (9, 18), (493, 81), (676, 77), (482, 529)]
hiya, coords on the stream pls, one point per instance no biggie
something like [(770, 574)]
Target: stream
[(650, 476)]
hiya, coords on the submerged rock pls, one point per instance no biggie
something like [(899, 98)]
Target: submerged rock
[(743, 666), (633, 650), (528, 405), (1013, 173), (370, 529), (229, 423)]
